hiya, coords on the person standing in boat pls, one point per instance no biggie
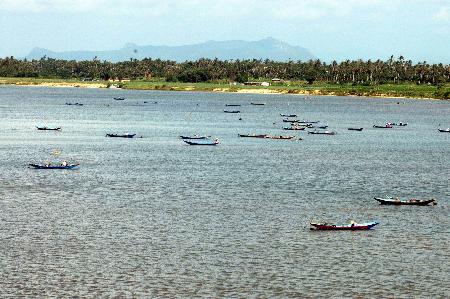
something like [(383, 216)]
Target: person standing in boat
[(64, 163)]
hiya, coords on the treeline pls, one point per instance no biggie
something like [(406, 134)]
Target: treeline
[(394, 70)]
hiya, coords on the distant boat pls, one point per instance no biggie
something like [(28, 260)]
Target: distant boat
[(232, 105), (350, 226), (322, 132), (119, 99), (308, 122), (194, 137), (253, 135), (231, 111), (203, 142), (318, 126), (288, 115), (294, 128), (400, 124), (257, 104), (48, 129), (74, 104), (290, 120), (56, 166), (386, 126), (280, 137), (355, 129), (444, 130), (127, 135), (411, 202)]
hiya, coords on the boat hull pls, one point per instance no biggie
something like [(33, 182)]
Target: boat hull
[(39, 166), (121, 136), (394, 202), (357, 226)]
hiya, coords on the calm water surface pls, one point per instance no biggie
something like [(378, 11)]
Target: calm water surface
[(153, 217)]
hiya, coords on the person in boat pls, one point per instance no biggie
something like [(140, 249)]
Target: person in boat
[(352, 223), (64, 163)]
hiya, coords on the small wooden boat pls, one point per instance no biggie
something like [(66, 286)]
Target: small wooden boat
[(56, 166), (195, 137), (257, 104), (400, 124), (322, 132), (127, 135), (411, 202), (290, 120), (355, 129), (386, 126), (74, 104), (294, 128), (280, 137), (318, 127), (48, 129), (119, 99), (231, 111), (308, 122), (444, 130), (203, 142), (233, 105), (349, 226), (288, 115), (253, 135)]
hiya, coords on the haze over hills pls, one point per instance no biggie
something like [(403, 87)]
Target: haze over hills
[(268, 48)]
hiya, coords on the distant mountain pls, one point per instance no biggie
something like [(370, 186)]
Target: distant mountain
[(268, 48)]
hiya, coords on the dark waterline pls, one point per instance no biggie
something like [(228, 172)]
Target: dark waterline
[(152, 216)]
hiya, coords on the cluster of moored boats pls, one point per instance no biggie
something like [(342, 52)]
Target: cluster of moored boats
[(368, 225)]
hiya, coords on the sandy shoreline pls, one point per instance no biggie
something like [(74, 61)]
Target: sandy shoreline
[(303, 92)]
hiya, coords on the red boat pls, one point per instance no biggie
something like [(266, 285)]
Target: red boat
[(349, 226)]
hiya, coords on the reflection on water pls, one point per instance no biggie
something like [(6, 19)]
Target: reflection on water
[(154, 217)]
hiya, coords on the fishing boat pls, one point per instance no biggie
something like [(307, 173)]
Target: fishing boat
[(400, 124), (253, 135), (257, 104), (322, 132), (202, 142), (294, 128), (290, 120), (48, 129), (350, 226), (74, 104), (56, 166), (288, 115), (318, 126), (280, 137), (411, 202), (233, 105), (231, 111), (308, 122), (195, 137), (386, 126), (444, 130), (126, 135), (355, 129), (119, 99)]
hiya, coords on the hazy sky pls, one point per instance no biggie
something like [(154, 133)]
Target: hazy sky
[(331, 29)]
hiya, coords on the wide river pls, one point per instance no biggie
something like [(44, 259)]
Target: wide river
[(154, 217)]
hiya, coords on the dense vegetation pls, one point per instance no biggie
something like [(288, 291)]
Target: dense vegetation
[(358, 72)]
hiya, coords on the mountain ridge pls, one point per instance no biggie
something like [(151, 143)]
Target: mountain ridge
[(268, 48)]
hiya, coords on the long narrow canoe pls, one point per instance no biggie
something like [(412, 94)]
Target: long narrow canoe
[(202, 142), (409, 202), (444, 130), (350, 226), (355, 129), (288, 115), (232, 105), (383, 127), (128, 135), (231, 111), (43, 166), (48, 129), (322, 132), (294, 128), (195, 137), (253, 135)]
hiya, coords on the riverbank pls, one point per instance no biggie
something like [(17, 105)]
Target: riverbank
[(295, 88)]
